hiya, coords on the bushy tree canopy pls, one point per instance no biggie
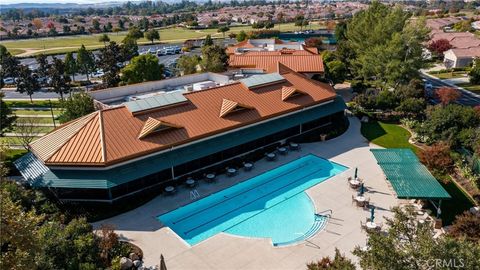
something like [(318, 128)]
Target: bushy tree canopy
[(142, 68), (79, 104)]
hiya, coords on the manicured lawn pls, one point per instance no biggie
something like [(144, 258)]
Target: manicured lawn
[(72, 43), (449, 75), (35, 103), (387, 135), (37, 112), (470, 87), (16, 51)]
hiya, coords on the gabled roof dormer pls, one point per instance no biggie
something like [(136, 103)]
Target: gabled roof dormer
[(229, 106), (289, 92), (154, 125)]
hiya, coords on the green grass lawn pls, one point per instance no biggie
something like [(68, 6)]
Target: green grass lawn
[(16, 51), (393, 136), (470, 87), (72, 43), (37, 112), (387, 135), (449, 75), (35, 103)]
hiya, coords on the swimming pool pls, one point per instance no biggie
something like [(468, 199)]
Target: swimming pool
[(271, 205)]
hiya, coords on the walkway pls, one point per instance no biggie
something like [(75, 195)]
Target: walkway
[(229, 252)]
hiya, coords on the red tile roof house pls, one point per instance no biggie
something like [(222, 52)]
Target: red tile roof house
[(465, 48), (142, 146)]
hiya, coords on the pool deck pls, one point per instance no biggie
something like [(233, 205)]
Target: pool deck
[(224, 251)]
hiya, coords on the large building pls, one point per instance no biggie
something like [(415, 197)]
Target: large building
[(143, 145)]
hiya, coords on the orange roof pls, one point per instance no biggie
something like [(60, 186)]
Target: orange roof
[(111, 136), (311, 63)]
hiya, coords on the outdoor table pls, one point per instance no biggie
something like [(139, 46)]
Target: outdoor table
[(294, 145), (248, 166), (371, 225), (354, 183), (190, 182), (360, 200), (169, 189), (270, 156), (282, 150), (231, 171), (210, 176)]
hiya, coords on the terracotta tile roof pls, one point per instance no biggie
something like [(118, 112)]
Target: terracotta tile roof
[(311, 63), (111, 135)]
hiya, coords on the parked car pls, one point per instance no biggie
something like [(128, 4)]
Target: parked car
[(9, 80), (169, 51), (161, 52), (97, 74), (178, 49)]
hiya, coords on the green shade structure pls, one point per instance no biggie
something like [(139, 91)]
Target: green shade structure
[(409, 178), (372, 214)]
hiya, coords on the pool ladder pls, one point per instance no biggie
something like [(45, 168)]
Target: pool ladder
[(194, 194)]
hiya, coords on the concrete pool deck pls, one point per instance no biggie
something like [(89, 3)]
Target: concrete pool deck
[(224, 251)]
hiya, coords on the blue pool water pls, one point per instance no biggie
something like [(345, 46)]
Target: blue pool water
[(271, 205)]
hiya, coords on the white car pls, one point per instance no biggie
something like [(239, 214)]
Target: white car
[(96, 74), (9, 80)]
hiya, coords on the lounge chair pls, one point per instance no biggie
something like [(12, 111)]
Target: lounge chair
[(366, 204), (363, 226)]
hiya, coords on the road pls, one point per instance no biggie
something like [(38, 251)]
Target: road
[(467, 98)]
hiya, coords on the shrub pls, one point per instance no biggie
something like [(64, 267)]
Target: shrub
[(437, 157)]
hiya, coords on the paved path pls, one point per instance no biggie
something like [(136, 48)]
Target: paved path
[(224, 251)]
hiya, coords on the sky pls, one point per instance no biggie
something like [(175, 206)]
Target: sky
[(59, 1)]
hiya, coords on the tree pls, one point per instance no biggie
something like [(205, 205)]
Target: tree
[(104, 38), (37, 23), (269, 24), (71, 66), (19, 238), (445, 123), (43, 65), (151, 35), (108, 60), (85, 61), (223, 30), (412, 106), (409, 244), (109, 239), (336, 71), (188, 64), (7, 118), (208, 41), (314, 42), (27, 82), (26, 130), (142, 68), (214, 59), (384, 46), (437, 157), (129, 49), (438, 47), (241, 36), (466, 226), (60, 81), (9, 64), (96, 24), (448, 95), (339, 262), (475, 72), (78, 105), (134, 33), (280, 16)]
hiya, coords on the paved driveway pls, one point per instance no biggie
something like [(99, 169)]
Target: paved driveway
[(224, 251)]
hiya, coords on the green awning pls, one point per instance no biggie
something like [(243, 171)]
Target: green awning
[(409, 178)]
